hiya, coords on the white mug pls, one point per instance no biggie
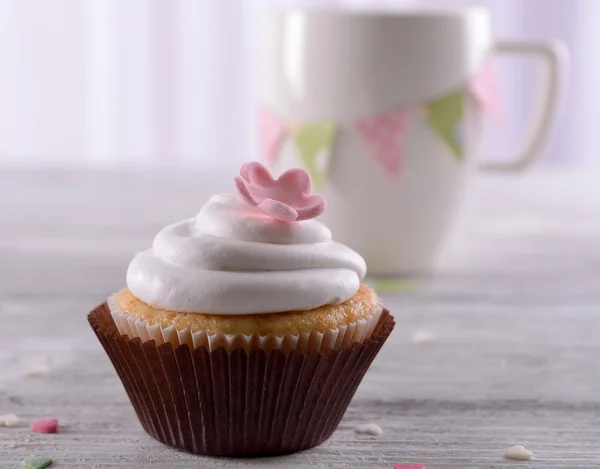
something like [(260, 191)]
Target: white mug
[(335, 66)]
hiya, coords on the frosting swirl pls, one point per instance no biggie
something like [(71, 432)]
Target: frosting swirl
[(233, 259)]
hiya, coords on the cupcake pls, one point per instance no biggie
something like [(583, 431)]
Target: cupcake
[(244, 330)]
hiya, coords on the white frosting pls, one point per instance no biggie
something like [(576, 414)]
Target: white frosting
[(233, 259)]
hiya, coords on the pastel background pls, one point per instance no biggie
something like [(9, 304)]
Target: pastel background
[(170, 84), (498, 347)]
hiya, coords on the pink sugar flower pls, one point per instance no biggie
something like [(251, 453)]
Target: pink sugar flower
[(287, 198)]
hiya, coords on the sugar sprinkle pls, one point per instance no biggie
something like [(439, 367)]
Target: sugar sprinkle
[(47, 425), (519, 453), (9, 420), (36, 463), (369, 429), (36, 371), (422, 338)]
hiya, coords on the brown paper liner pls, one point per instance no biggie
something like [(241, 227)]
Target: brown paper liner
[(223, 403)]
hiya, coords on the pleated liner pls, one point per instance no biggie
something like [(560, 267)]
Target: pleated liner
[(237, 404)]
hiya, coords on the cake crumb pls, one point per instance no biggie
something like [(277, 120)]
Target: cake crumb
[(9, 420), (36, 371), (369, 429), (422, 337), (519, 453)]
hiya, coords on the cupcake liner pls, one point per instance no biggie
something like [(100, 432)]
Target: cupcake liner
[(233, 403), (304, 342)]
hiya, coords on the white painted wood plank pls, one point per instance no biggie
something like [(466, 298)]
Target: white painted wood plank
[(514, 309)]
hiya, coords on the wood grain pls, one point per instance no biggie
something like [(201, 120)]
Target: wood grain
[(514, 308)]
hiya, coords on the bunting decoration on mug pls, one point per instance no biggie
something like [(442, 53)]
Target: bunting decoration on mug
[(314, 142), (384, 135), (483, 86), (271, 133), (444, 116)]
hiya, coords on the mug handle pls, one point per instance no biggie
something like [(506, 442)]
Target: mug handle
[(553, 56)]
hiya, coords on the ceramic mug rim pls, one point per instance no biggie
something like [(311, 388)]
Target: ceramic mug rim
[(424, 13)]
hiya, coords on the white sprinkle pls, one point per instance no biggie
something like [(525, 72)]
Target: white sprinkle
[(369, 429), (519, 453), (9, 420), (36, 371), (422, 337)]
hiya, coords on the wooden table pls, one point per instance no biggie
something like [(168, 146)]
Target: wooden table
[(514, 308)]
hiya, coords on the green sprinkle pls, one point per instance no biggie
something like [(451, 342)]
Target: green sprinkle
[(36, 463)]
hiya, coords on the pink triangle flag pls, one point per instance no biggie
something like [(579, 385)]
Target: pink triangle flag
[(484, 88), (271, 132), (384, 134)]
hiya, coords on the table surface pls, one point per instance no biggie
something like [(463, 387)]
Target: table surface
[(514, 309)]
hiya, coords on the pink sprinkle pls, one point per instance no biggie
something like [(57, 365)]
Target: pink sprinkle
[(409, 466), (48, 425)]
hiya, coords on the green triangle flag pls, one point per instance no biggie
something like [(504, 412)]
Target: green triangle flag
[(445, 118), (311, 140)]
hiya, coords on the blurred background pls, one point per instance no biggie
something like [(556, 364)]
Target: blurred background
[(96, 95), (103, 83)]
